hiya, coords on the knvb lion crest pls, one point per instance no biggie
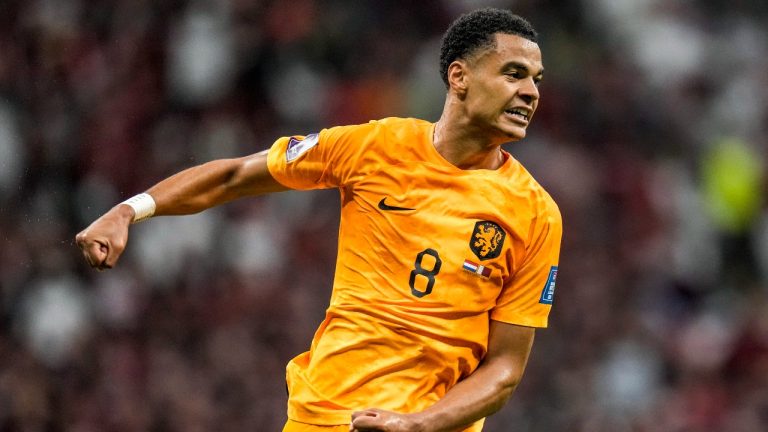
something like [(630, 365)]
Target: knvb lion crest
[(487, 240)]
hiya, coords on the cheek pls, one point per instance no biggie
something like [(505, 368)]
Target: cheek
[(487, 98)]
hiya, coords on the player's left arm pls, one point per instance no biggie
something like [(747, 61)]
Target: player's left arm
[(479, 395)]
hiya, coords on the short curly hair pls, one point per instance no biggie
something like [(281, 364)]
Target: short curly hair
[(475, 30)]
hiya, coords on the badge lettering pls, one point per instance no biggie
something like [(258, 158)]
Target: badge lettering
[(548, 293)]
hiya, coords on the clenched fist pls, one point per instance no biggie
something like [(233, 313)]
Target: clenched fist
[(104, 240)]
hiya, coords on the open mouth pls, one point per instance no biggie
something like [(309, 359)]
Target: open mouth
[(521, 113)]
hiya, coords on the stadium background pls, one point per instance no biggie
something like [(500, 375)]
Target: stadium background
[(652, 135)]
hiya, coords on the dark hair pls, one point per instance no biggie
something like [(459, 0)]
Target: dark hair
[(475, 30)]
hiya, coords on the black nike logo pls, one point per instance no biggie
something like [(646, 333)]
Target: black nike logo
[(385, 206)]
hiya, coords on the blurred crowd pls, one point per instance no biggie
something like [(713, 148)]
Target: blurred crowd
[(652, 135)]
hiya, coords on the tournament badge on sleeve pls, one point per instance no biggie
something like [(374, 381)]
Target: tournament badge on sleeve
[(548, 293), (297, 147)]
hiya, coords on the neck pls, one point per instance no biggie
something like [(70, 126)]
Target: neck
[(463, 144)]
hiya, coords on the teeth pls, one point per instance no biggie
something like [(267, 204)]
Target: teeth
[(519, 111)]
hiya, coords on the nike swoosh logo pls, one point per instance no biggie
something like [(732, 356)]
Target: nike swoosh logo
[(384, 206)]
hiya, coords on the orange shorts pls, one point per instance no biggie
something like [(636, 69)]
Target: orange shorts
[(294, 426)]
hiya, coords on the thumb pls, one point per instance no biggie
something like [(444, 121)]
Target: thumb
[(369, 418), (95, 253)]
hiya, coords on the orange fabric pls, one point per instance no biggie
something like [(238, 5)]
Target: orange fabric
[(294, 426), (407, 320)]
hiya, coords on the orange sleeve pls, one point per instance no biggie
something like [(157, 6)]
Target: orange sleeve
[(317, 161), (526, 298)]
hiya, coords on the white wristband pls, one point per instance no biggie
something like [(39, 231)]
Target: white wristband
[(143, 206)]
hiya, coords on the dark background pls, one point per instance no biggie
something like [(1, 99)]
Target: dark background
[(652, 136)]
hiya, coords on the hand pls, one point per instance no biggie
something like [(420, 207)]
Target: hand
[(377, 420), (104, 240)]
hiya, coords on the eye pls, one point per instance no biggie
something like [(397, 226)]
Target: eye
[(537, 81)]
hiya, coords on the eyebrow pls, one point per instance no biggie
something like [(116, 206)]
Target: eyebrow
[(517, 65)]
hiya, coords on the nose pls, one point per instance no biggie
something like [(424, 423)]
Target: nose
[(528, 90)]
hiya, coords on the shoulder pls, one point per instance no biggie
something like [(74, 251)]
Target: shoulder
[(402, 122), (547, 211), (541, 202), (380, 126), (402, 127), (388, 123), (386, 132)]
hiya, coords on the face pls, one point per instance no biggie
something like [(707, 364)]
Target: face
[(501, 87)]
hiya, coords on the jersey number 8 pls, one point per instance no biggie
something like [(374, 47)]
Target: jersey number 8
[(427, 273)]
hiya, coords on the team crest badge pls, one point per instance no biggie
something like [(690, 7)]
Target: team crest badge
[(487, 240)]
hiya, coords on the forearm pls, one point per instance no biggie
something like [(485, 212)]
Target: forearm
[(190, 191), (213, 183), (194, 189), (480, 395), (490, 385)]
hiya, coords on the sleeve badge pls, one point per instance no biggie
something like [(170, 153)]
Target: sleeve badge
[(298, 146)]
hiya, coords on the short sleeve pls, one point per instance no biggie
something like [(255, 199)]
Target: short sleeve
[(527, 296), (323, 160)]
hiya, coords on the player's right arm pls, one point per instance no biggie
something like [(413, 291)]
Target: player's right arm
[(190, 191)]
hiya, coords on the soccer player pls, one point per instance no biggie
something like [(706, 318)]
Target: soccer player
[(448, 248)]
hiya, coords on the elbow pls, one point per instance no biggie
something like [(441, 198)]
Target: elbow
[(233, 173), (235, 179), (506, 385)]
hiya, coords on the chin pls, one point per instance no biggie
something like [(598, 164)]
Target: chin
[(514, 135)]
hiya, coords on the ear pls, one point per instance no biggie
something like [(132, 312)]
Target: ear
[(458, 74)]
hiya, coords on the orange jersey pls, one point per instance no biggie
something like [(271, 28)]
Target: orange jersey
[(428, 253)]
